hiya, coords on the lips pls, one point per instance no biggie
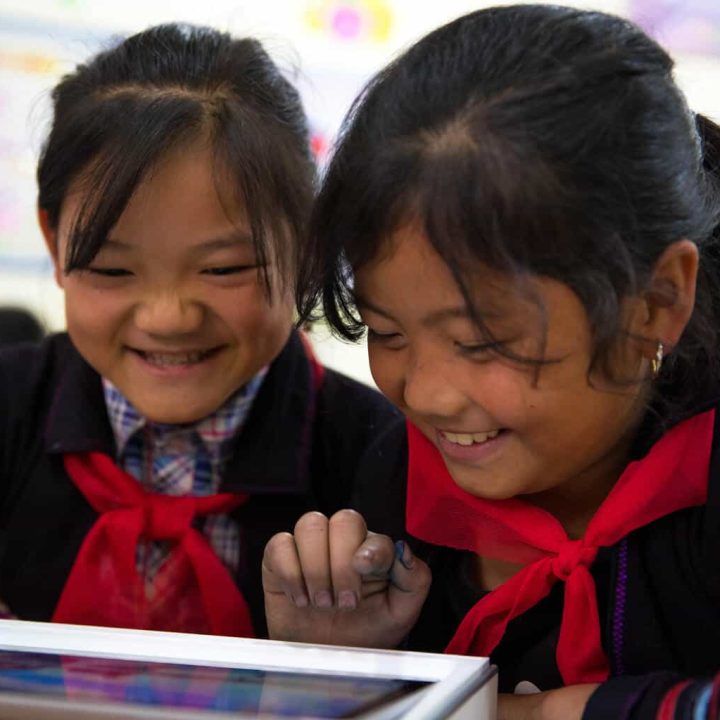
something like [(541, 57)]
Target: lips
[(473, 448)]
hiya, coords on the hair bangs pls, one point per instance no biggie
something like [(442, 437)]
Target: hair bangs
[(263, 169), (138, 130)]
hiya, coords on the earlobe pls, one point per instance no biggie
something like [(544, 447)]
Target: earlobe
[(670, 297), (51, 242)]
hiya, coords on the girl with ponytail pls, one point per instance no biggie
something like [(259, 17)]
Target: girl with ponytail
[(522, 213)]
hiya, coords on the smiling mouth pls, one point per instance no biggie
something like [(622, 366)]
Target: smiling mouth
[(469, 439), (176, 359)]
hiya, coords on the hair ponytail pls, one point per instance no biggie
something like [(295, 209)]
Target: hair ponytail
[(693, 370)]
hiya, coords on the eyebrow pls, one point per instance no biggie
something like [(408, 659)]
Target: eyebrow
[(232, 240), (438, 317), (228, 241)]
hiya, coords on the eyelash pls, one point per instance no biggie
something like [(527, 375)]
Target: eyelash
[(228, 270), (375, 336), (217, 271), (110, 272), (479, 348), (466, 350)]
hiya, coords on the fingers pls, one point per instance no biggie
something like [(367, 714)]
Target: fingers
[(312, 539), (375, 557), (379, 557), (347, 532), (281, 569), (335, 563), (314, 566)]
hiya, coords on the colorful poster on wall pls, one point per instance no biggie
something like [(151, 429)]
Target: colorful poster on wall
[(682, 26), (351, 20), (29, 66)]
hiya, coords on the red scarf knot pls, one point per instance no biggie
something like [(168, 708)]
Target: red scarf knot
[(191, 591), (167, 518), (572, 555), (672, 476)]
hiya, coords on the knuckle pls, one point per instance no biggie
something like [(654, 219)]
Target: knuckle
[(381, 547), (348, 518), (380, 540), (277, 547), (311, 522)]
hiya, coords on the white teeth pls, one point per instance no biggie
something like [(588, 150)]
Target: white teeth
[(467, 439), (165, 359)]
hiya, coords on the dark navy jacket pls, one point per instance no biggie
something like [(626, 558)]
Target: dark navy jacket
[(299, 450)]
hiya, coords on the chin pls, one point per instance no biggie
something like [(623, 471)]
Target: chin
[(485, 491), (174, 415)]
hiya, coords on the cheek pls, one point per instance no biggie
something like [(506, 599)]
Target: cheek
[(91, 312), (575, 424), (501, 390), (256, 321), (388, 372)]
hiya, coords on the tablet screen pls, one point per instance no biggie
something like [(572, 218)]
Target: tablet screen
[(169, 685)]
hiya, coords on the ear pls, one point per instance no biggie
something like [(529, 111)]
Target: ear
[(670, 298), (51, 242)]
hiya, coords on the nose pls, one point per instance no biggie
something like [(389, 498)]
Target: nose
[(168, 313), (430, 389)]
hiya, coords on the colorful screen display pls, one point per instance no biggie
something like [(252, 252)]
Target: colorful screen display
[(219, 689)]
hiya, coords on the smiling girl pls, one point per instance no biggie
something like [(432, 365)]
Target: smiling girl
[(147, 455), (523, 212)]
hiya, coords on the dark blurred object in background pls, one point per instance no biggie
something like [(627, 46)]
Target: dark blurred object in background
[(19, 324)]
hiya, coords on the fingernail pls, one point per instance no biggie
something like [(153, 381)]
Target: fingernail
[(404, 555), (347, 600), (323, 599), (300, 601)]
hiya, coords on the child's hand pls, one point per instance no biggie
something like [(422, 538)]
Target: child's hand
[(335, 583), (566, 703)]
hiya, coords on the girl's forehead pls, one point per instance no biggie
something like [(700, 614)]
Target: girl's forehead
[(410, 247), (186, 180), (407, 267)]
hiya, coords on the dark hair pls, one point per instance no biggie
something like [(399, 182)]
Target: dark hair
[(117, 115), (538, 140)]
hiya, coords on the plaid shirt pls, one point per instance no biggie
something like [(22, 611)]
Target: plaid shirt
[(181, 460)]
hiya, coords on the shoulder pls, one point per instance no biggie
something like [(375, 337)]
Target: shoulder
[(28, 383), (356, 401), (357, 421), (377, 433), (28, 371), (681, 550), (359, 442)]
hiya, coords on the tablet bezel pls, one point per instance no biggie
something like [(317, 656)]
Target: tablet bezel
[(454, 678)]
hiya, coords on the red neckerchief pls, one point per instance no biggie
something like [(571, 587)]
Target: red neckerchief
[(192, 591), (672, 476)]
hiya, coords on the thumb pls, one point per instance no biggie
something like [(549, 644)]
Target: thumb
[(410, 580)]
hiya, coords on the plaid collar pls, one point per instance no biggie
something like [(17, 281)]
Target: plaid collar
[(213, 430)]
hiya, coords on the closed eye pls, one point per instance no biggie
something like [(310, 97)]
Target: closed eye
[(479, 348), (109, 271), (381, 337), (228, 270)]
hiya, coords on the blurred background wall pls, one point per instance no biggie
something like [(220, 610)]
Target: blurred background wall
[(328, 47)]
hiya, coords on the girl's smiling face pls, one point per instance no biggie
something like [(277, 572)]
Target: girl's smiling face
[(173, 310), (503, 427)]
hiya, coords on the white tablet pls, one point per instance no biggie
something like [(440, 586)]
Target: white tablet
[(50, 671)]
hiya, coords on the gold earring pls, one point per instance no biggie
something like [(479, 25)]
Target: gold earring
[(656, 362)]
